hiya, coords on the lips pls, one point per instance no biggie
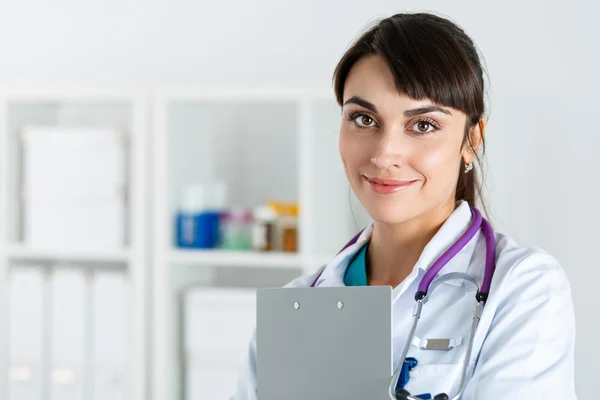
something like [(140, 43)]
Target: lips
[(387, 186)]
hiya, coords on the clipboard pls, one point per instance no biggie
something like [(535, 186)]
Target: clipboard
[(324, 343)]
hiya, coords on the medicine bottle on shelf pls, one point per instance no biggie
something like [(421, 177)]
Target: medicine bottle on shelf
[(263, 228), (193, 224), (236, 229), (289, 228), (198, 217), (277, 237)]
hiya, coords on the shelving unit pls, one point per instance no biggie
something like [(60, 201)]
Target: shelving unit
[(124, 108), (266, 143), (224, 258)]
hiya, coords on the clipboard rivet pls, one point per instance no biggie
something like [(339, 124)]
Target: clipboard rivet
[(296, 305), (340, 305)]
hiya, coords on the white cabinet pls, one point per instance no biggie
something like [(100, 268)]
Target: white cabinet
[(266, 143), (73, 179)]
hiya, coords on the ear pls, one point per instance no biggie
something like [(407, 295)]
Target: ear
[(474, 141)]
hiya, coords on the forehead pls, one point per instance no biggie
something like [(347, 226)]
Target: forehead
[(371, 79)]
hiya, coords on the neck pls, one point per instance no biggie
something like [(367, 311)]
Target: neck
[(394, 249)]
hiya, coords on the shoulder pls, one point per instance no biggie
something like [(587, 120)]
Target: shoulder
[(527, 328), (514, 260), (530, 299), (527, 271)]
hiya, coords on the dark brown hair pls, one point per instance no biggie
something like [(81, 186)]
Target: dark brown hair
[(430, 57)]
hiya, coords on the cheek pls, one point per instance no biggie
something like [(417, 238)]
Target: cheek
[(438, 161), (352, 151)]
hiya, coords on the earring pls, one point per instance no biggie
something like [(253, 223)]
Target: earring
[(468, 166)]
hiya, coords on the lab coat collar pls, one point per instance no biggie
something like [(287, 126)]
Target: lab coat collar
[(447, 235), (454, 227)]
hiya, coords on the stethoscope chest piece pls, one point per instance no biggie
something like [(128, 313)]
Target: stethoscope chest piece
[(402, 394)]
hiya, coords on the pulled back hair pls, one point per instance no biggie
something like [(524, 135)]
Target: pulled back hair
[(429, 57)]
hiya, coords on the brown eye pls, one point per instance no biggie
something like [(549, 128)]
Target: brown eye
[(423, 126), (363, 121)]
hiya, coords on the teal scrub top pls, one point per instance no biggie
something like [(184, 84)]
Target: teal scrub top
[(356, 273)]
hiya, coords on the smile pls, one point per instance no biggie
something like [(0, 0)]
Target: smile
[(387, 186)]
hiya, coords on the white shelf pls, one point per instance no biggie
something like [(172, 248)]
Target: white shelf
[(235, 258), (24, 253)]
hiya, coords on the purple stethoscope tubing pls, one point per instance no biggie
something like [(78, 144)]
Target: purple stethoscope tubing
[(490, 256)]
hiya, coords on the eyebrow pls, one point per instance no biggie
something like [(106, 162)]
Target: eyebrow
[(361, 102), (408, 113)]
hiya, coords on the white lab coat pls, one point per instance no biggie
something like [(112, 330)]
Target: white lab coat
[(524, 346)]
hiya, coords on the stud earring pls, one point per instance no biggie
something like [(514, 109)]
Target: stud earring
[(468, 167)]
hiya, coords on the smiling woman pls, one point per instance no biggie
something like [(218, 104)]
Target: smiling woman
[(419, 74), (411, 91)]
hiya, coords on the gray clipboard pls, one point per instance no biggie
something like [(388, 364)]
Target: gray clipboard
[(324, 343)]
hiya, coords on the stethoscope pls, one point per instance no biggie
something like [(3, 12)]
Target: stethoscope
[(427, 285)]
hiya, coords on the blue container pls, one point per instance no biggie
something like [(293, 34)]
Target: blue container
[(198, 230)]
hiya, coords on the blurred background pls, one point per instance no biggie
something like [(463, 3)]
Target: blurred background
[(159, 160)]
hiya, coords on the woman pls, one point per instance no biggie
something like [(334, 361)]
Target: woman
[(412, 96)]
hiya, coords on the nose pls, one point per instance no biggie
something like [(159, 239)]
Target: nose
[(390, 151)]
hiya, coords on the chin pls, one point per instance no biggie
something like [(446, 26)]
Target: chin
[(392, 212)]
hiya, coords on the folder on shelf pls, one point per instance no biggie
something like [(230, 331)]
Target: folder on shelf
[(218, 324), (68, 334), (26, 330), (110, 350)]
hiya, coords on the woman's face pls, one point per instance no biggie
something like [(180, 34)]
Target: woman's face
[(401, 156)]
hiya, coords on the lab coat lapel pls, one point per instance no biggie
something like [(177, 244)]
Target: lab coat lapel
[(458, 222)]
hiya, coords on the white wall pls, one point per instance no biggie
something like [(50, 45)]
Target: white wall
[(543, 180)]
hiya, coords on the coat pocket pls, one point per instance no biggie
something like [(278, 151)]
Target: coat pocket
[(435, 379)]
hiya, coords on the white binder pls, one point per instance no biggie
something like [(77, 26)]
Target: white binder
[(26, 333), (68, 336), (110, 350)]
